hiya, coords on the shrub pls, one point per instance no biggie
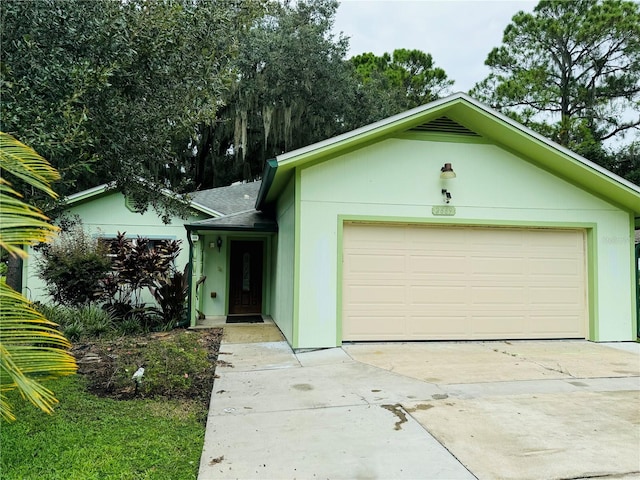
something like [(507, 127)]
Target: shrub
[(171, 293), (136, 265), (129, 326), (73, 267), (76, 323), (96, 321)]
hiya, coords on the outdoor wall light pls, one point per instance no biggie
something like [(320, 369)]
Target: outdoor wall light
[(447, 172), (219, 243), (446, 195)]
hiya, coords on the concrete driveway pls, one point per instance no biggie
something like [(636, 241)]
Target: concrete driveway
[(486, 410)]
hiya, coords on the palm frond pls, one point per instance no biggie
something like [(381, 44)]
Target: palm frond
[(31, 349), (24, 162), (20, 223)]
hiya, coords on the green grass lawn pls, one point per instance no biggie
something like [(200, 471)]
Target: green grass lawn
[(99, 438)]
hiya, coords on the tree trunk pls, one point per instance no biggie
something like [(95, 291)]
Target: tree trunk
[(14, 273), (203, 151)]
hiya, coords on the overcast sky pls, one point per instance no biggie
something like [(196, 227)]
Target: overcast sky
[(457, 33)]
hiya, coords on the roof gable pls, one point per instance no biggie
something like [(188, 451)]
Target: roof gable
[(107, 188), (462, 116)]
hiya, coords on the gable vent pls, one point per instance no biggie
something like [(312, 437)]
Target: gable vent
[(445, 125)]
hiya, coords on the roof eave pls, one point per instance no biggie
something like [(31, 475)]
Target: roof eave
[(268, 175), (473, 114), (258, 228)]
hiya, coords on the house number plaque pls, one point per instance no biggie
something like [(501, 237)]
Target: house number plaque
[(443, 210)]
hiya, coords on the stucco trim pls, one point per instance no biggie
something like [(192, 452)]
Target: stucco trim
[(297, 201), (635, 287)]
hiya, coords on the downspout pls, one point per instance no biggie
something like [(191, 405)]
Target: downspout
[(190, 280)]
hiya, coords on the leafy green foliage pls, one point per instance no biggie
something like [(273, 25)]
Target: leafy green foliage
[(83, 322), (21, 223), (81, 270), (570, 70), (390, 84), (73, 267), (291, 89), (93, 85), (626, 163)]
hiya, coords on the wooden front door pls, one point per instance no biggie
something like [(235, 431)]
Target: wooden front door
[(245, 281)]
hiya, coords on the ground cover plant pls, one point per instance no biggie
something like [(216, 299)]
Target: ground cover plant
[(134, 280), (104, 427)]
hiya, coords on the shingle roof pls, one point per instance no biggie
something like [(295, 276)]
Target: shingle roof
[(228, 200), (250, 220)]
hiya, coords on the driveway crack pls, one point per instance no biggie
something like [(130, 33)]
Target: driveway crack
[(560, 368)]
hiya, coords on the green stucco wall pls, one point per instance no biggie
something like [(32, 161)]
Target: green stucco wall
[(283, 298), (105, 216), (399, 180), (215, 268)]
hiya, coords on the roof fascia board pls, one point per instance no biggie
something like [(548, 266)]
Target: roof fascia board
[(550, 156), (209, 211), (89, 194), (268, 175), (231, 228), (96, 192), (368, 133), (501, 129), (522, 129)]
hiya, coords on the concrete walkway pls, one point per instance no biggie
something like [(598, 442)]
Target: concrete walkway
[(486, 410)]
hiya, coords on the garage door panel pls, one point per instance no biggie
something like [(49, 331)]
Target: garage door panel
[(411, 283), (376, 295), (495, 265), (434, 264), (487, 238), (385, 325), (498, 295), (553, 324), (559, 266), (375, 263), (555, 296), (508, 325), (437, 327), (419, 240), (432, 295)]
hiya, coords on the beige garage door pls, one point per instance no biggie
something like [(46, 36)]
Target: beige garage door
[(412, 282)]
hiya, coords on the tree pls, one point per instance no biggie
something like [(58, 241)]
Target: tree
[(390, 84), (575, 64), (291, 89), (626, 162), (31, 349), (103, 89)]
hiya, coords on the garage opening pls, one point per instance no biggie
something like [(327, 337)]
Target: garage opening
[(410, 282)]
